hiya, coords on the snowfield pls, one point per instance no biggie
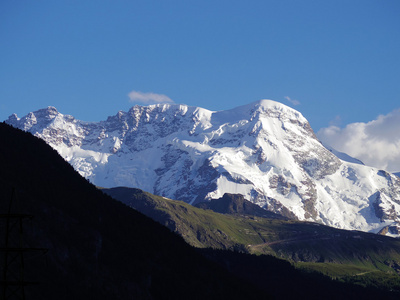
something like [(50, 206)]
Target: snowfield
[(265, 151)]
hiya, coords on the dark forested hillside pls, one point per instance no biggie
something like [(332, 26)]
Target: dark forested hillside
[(98, 248)]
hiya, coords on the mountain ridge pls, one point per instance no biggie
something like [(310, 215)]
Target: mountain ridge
[(224, 225), (236, 204), (265, 151)]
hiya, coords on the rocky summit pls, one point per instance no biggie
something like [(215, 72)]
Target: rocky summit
[(265, 151)]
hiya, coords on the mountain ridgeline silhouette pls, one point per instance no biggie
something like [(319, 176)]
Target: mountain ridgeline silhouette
[(98, 248)]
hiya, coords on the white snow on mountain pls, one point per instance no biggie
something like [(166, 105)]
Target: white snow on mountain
[(342, 155), (265, 151)]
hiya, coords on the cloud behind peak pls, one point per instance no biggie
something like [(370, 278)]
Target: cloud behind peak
[(148, 98), (376, 143)]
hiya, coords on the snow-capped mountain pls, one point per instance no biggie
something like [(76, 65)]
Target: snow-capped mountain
[(265, 151), (343, 156)]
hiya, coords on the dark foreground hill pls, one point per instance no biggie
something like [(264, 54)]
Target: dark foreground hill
[(98, 248)]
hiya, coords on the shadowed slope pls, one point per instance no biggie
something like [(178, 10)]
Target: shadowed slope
[(98, 248), (337, 253), (236, 204)]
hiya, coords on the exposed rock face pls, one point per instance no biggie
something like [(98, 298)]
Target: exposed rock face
[(236, 204), (265, 151)]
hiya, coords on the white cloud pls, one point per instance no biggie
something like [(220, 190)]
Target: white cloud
[(148, 98), (293, 101), (376, 143)]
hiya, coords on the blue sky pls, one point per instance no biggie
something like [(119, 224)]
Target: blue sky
[(337, 62)]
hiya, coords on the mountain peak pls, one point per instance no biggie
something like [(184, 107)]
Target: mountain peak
[(13, 118), (272, 104), (274, 108), (34, 120), (261, 109), (48, 113), (265, 151)]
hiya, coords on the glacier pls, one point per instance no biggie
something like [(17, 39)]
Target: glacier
[(265, 151)]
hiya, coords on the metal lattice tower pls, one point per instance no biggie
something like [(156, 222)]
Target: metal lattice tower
[(13, 250)]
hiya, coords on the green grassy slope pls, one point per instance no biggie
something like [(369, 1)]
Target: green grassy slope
[(334, 252)]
